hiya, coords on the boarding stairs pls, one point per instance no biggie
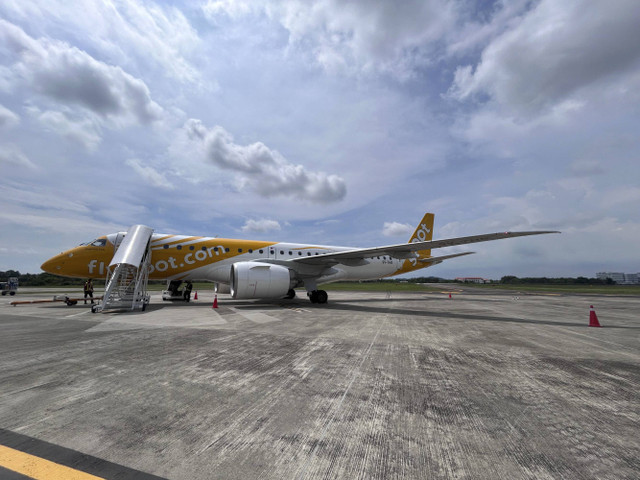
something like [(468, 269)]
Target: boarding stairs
[(128, 273)]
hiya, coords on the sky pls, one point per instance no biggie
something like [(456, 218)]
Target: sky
[(328, 122)]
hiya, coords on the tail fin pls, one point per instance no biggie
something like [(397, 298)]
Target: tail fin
[(423, 233)]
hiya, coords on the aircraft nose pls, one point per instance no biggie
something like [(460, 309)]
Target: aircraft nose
[(54, 264)]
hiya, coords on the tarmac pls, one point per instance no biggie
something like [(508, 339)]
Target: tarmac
[(371, 385)]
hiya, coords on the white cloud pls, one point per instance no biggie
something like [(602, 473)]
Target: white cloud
[(69, 76), (8, 118), (136, 34), (52, 220), (395, 229), (586, 168), (554, 52), (389, 36), (260, 226), (24, 196), (83, 130), (11, 156), (262, 170), (231, 8), (150, 174)]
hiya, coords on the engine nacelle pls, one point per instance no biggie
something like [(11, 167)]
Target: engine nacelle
[(221, 288), (259, 280)]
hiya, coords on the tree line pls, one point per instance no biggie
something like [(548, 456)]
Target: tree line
[(512, 280), (47, 279), (39, 279)]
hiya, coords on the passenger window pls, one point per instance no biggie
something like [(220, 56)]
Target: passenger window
[(179, 247), (250, 250), (215, 249), (299, 253), (204, 249), (227, 250), (261, 251), (166, 247), (239, 250), (281, 252), (290, 252), (191, 247)]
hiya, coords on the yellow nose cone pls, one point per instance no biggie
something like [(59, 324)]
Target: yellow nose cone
[(53, 265)]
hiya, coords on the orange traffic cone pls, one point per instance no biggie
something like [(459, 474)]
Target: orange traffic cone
[(593, 318), (195, 297), (215, 302)]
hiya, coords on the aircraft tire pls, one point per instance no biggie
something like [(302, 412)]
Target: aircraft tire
[(322, 296), (313, 296), (318, 296), (290, 294)]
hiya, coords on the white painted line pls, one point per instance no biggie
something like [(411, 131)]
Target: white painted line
[(258, 317), (78, 314)]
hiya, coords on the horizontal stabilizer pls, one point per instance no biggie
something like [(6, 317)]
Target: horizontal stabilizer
[(443, 257)]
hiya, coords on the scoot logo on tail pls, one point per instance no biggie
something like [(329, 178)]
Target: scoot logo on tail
[(423, 233)]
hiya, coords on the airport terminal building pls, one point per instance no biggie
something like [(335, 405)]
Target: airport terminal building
[(620, 278)]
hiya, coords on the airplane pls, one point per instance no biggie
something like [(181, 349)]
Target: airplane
[(251, 269)]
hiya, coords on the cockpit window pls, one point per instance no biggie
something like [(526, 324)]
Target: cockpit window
[(98, 242)]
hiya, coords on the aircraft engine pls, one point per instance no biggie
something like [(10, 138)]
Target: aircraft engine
[(221, 288), (259, 280)]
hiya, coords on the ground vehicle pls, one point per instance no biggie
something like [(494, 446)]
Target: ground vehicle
[(10, 287)]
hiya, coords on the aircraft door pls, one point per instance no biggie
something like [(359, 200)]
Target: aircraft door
[(118, 241)]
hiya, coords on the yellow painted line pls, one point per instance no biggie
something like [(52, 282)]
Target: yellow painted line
[(39, 468)]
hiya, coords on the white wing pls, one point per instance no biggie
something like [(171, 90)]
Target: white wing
[(407, 250)]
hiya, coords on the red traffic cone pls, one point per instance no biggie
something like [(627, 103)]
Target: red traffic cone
[(593, 318), (215, 302), (449, 294), (195, 297)]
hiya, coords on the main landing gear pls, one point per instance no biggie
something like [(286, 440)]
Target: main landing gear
[(318, 296)]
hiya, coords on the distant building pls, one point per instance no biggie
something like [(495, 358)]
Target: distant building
[(473, 280), (620, 278)]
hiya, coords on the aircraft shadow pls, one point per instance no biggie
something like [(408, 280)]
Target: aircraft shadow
[(361, 306), (343, 306)]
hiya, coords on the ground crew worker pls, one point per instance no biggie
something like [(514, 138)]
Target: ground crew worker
[(187, 291), (88, 291)]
